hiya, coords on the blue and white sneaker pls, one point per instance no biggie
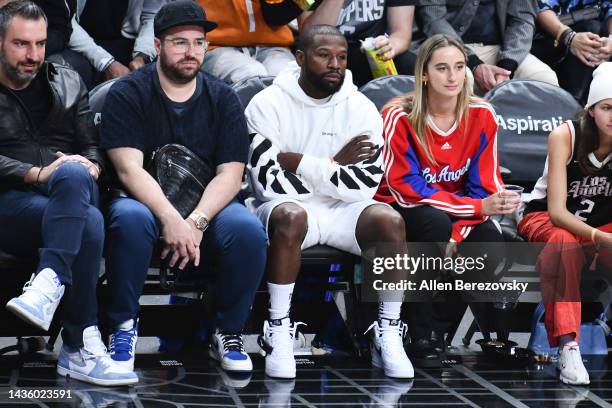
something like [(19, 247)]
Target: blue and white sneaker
[(92, 363), (39, 300), (228, 349), (122, 344)]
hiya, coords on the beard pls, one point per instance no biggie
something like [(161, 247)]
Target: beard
[(321, 84), (14, 74), (177, 74)]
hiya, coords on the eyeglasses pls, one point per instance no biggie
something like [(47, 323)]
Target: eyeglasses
[(199, 45)]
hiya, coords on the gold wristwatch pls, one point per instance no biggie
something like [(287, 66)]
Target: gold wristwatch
[(199, 219)]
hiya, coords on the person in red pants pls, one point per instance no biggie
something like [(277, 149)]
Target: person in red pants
[(570, 209)]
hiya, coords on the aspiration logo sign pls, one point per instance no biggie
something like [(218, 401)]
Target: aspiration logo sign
[(521, 125)]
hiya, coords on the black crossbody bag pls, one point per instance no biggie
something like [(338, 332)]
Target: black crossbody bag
[(182, 176)]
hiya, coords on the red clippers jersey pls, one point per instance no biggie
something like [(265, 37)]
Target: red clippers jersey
[(466, 168)]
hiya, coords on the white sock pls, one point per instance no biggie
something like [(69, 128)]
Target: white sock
[(280, 299), (389, 310), (127, 325)]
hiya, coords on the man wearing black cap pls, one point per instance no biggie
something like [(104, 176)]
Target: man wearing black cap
[(172, 101)]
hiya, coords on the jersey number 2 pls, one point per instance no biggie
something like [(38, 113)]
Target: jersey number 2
[(590, 204)]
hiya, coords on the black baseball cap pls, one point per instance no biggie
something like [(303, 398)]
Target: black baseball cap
[(181, 12)]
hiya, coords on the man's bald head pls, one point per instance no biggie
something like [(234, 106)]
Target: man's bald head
[(314, 34)]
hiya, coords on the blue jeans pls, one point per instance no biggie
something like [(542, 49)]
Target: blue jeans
[(60, 220), (234, 245)]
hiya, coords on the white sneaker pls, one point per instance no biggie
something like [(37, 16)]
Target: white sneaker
[(279, 393), (122, 344), (389, 392), (388, 348), (277, 345), (570, 366), (39, 300), (92, 363), (228, 349)]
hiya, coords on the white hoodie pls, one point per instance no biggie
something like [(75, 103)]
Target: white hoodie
[(282, 118)]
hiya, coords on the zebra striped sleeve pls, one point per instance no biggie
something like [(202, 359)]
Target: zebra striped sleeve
[(268, 180)]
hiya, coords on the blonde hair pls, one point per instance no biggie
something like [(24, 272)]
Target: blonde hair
[(415, 103)]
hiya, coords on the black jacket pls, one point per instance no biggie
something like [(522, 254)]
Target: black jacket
[(68, 128)]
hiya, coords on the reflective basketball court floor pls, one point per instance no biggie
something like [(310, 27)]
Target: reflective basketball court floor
[(470, 380)]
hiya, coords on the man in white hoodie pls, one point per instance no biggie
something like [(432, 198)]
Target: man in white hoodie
[(315, 162)]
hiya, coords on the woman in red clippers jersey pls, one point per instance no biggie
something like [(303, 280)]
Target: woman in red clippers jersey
[(571, 205), (442, 172)]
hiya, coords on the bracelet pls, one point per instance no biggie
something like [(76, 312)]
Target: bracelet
[(38, 175), (593, 231), (564, 37), (569, 38), (560, 31)]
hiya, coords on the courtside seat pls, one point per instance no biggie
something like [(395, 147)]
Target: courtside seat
[(381, 90), (97, 97), (527, 111), (323, 254), (247, 88)]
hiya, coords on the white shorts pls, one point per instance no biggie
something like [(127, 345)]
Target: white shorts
[(334, 225)]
